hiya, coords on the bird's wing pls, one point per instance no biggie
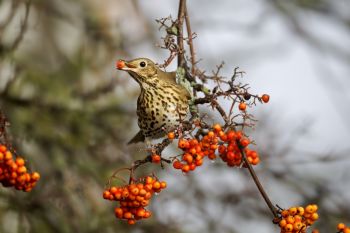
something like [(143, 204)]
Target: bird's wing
[(170, 77), (167, 76)]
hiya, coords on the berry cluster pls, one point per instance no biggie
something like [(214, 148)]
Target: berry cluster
[(193, 155), (227, 145), (342, 228), (230, 150), (133, 198), (297, 219), (13, 172)]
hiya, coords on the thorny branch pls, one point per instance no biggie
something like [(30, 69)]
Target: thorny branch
[(227, 89)]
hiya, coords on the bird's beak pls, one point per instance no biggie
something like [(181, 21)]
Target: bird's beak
[(124, 65)]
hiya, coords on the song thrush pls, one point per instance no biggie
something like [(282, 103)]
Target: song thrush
[(162, 103)]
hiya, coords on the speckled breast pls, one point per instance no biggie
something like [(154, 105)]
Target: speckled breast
[(160, 111)]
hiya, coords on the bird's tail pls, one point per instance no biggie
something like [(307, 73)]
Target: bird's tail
[(139, 137)]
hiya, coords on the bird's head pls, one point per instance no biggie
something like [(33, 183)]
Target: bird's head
[(143, 70)]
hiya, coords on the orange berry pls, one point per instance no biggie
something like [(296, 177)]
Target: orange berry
[(211, 134), (142, 192), (310, 209), (300, 210), (135, 190), (177, 164), (292, 210), (212, 156), (156, 158), (182, 144), (148, 196), (145, 202), (193, 142), (265, 98), (22, 169), (282, 223), (8, 155), (288, 227), (256, 161), (188, 158), (230, 155), (106, 194), (185, 168), (20, 161), (125, 193), (156, 185), (199, 162), (140, 212), (131, 221), (139, 198), (284, 213), (3, 148), (242, 106), (118, 210), (113, 190), (163, 185), (297, 226), (239, 135), (148, 187), (298, 218), (35, 176), (341, 226), (149, 180), (290, 219), (222, 149), (140, 186), (120, 64), (192, 166), (193, 151), (217, 127), (223, 137), (230, 135), (314, 216), (147, 214), (244, 142), (171, 135)]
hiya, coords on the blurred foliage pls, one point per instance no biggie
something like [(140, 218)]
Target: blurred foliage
[(65, 118)]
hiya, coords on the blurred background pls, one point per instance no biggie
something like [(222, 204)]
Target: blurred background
[(71, 112)]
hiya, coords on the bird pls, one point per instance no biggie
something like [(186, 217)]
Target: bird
[(162, 104)]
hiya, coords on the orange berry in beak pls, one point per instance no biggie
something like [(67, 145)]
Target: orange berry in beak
[(120, 64)]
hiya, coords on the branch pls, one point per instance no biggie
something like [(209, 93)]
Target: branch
[(24, 25), (272, 208), (180, 20)]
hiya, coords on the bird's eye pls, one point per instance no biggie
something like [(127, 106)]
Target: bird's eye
[(142, 64)]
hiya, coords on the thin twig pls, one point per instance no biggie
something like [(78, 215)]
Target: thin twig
[(190, 41), (23, 29)]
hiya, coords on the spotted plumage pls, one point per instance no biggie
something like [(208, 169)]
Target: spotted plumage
[(162, 103)]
